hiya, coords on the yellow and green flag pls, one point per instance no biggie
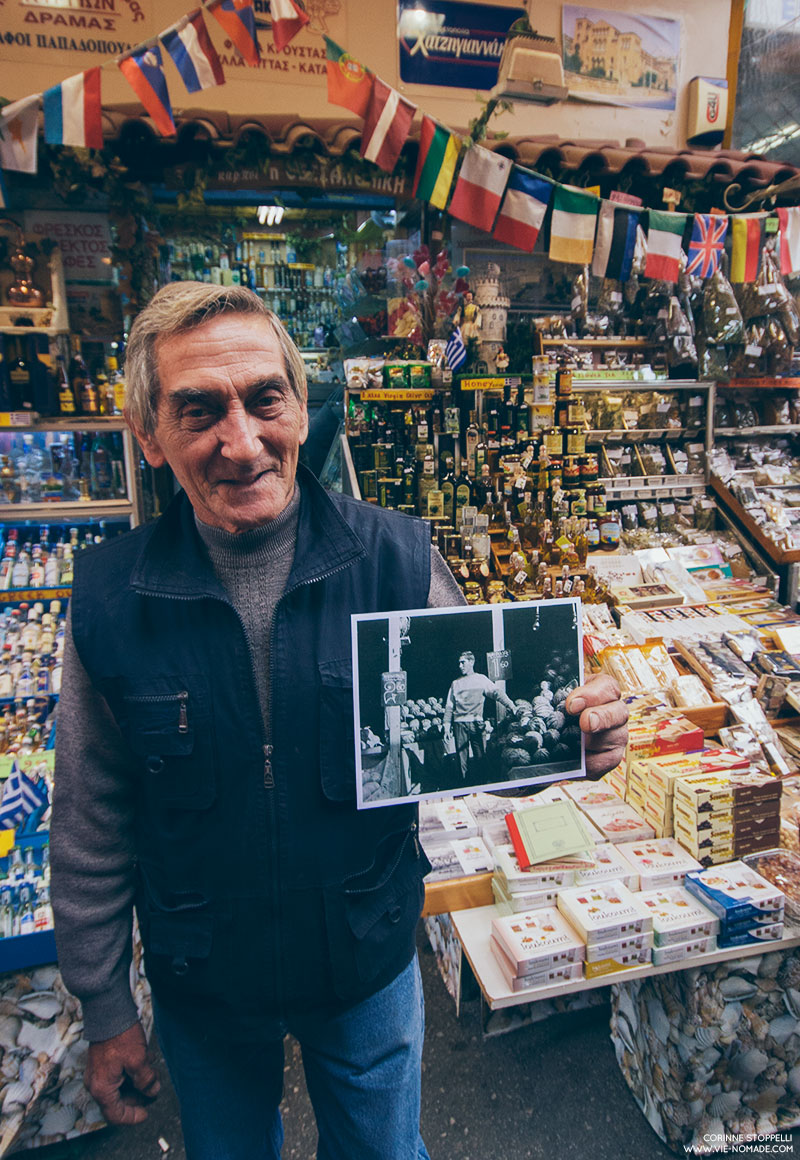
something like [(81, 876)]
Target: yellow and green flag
[(436, 164)]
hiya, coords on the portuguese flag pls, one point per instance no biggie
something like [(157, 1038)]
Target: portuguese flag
[(349, 82), (436, 164)]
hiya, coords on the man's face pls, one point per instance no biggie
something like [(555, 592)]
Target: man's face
[(228, 422), (466, 665)]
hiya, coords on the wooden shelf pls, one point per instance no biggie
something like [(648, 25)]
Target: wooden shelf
[(743, 432), (778, 556), (473, 928), (457, 894), (60, 512)]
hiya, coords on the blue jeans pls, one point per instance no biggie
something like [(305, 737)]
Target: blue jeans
[(362, 1071)]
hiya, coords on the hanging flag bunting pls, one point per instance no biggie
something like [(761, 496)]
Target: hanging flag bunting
[(144, 73), (73, 114), (436, 163), (239, 23), (706, 244), (18, 137), (480, 187), (349, 83), (3, 193), (615, 241), (664, 236), (572, 225), (747, 232), (196, 59), (386, 125), (287, 20), (790, 239), (523, 209), (455, 353)]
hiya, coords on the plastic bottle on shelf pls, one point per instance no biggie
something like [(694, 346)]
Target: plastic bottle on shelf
[(32, 463), (21, 571)]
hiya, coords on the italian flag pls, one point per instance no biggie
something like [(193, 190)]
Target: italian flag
[(436, 164), (790, 239), (386, 125), (664, 236), (480, 187), (349, 82), (747, 231), (572, 225)]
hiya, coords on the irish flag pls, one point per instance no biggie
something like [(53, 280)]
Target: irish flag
[(480, 187), (436, 164), (572, 225), (386, 125), (790, 239), (664, 236)]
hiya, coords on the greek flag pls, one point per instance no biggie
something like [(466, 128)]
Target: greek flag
[(21, 796), (455, 353)]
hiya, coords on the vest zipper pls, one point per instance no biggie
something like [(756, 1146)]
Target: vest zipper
[(183, 720), (269, 778)]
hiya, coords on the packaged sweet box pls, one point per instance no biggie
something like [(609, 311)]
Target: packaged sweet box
[(675, 952), (604, 911), (610, 964), (616, 948), (538, 939), (543, 876), (450, 819), (620, 823), (678, 916), (536, 978), (508, 903), (588, 795), (735, 892), (607, 866), (659, 862)]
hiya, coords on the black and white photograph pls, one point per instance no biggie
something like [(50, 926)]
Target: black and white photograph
[(449, 701)]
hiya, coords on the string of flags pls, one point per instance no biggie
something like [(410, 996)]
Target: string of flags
[(489, 192)]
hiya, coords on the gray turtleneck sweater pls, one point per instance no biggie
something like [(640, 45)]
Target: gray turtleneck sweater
[(92, 845)]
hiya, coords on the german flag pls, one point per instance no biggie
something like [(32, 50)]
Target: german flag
[(747, 231), (349, 82)]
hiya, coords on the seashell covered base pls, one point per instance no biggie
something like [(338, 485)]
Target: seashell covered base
[(43, 1054), (715, 1051)]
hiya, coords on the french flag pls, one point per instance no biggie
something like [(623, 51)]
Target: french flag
[(287, 20), (143, 72), (238, 21), (73, 113), (189, 45)]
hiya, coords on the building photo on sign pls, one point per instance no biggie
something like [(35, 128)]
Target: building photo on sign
[(620, 58), (452, 700)]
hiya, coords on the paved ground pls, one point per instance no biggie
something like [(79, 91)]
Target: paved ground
[(550, 1091)]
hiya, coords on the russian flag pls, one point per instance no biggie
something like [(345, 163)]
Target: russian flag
[(189, 45), (143, 72), (287, 20), (73, 113), (238, 21)]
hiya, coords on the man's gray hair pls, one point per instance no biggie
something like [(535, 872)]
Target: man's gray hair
[(183, 306)]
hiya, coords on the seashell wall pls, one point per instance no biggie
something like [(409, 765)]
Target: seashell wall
[(42, 1056), (736, 1064)]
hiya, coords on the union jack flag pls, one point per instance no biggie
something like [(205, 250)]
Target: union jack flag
[(707, 243)]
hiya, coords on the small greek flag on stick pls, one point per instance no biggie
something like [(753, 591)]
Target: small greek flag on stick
[(455, 353)]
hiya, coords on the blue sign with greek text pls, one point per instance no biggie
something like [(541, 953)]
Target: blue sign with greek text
[(452, 44)]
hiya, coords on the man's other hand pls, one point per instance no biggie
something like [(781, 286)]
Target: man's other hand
[(121, 1077), (603, 719)]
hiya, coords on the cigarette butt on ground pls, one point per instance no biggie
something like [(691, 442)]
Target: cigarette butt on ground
[(163, 1145)]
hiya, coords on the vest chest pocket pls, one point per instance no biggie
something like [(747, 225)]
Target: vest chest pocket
[(337, 754), (171, 731)]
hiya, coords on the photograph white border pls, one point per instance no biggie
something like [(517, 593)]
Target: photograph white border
[(467, 787)]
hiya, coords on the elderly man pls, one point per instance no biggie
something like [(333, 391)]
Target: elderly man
[(206, 764)]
